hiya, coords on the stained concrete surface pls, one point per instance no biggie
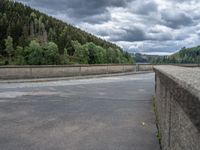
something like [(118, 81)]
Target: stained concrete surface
[(110, 113)]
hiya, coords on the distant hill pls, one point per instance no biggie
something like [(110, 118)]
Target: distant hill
[(143, 58), (184, 56), (20, 25)]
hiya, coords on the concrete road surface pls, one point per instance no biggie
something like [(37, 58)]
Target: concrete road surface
[(110, 113)]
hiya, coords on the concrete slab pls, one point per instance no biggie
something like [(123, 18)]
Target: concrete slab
[(110, 113)]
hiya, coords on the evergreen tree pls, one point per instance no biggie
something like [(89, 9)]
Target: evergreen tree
[(9, 47), (19, 56)]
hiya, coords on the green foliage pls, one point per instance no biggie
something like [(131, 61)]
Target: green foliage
[(64, 58), (51, 54), (93, 53), (9, 47), (101, 53), (109, 55), (184, 56), (35, 53), (19, 56), (2, 62), (28, 32), (81, 52)]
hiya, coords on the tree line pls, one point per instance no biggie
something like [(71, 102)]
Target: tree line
[(48, 54), (184, 56), (30, 37)]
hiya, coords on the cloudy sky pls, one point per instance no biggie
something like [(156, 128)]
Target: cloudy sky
[(146, 26)]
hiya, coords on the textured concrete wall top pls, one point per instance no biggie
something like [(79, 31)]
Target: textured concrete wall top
[(188, 78)]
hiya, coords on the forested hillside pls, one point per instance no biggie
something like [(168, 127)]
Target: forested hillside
[(30, 37), (184, 56)]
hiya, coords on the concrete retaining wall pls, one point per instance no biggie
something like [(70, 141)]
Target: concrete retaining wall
[(26, 72), (178, 107), (145, 67)]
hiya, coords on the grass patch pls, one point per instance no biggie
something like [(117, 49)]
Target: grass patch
[(158, 134)]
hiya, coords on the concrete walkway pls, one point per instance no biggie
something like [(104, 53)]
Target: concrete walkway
[(108, 113)]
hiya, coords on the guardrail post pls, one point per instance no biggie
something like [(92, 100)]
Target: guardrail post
[(80, 70), (31, 74), (137, 67)]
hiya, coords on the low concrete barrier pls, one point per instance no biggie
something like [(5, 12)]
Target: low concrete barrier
[(49, 71), (177, 103), (145, 67)]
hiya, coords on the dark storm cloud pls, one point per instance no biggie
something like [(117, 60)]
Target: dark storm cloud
[(175, 19), (129, 35), (146, 7), (97, 19), (93, 11), (139, 34)]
